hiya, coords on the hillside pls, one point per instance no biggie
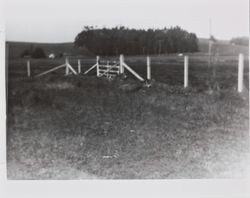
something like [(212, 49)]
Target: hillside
[(16, 48), (224, 46)]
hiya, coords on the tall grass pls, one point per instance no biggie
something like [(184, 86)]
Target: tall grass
[(83, 127)]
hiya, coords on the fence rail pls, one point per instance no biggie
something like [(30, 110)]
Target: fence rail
[(113, 68)]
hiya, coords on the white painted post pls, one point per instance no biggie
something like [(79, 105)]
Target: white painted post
[(121, 64), (185, 71), (67, 67), (148, 68), (28, 68), (79, 66), (210, 44), (240, 72), (97, 66)]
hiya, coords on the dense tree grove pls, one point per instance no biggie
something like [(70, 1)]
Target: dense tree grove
[(121, 40)]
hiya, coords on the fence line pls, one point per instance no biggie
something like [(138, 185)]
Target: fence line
[(91, 68), (133, 72), (122, 65), (67, 66), (50, 70), (70, 67), (113, 68)]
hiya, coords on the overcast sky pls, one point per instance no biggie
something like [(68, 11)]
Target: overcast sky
[(61, 20)]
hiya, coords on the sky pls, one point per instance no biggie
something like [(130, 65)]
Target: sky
[(62, 20)]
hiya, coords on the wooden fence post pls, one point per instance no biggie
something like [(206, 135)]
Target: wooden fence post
[(28, 68), (148, 68), (67, 67), (121, 64), (97, 66), (79, 66), (210, 45), (185, 71), (240, 72)]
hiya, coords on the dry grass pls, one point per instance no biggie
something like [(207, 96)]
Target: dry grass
[(81, 127)]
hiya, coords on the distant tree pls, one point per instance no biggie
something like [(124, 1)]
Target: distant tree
[(38, 53), (193, 43), (213, 39), (244, 41)]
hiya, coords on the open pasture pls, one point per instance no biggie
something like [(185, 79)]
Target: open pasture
[(77, 127)]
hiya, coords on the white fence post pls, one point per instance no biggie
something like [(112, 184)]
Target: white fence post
[(79, 66), (210, 45), (240, 72), (121, 64), (97, 66), (185, 71), (148, 68), (28, 68), (67, 67)]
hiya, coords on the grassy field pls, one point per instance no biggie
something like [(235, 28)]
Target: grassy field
[(83, 127)]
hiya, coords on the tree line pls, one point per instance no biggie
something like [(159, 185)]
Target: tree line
[(122, 40)]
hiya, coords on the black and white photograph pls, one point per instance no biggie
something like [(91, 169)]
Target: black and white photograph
[(126, 90)]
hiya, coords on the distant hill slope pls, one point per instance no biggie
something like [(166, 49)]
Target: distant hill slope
[(16, 48), (224, 46)]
